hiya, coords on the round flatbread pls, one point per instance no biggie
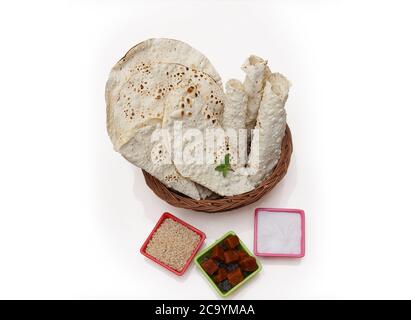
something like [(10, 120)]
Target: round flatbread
[(144, 53)]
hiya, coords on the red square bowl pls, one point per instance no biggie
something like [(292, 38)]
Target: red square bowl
[(167, 215)]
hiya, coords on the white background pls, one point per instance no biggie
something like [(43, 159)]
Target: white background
[(73, 213)]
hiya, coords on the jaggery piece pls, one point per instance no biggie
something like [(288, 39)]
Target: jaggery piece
[(248, 264), (217, 253), (242, 254), (235, 277), (230, 256), (209, 266), (232, 242), (221, 275)]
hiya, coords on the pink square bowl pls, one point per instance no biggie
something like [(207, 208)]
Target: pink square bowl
[(164, 216), (291, 211)]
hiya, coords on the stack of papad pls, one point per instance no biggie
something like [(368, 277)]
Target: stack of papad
[(161, 82)]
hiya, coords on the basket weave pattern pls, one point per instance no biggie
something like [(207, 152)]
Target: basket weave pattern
[(226, 203)]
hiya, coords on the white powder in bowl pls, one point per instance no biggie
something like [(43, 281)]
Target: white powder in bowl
[(279, 232)]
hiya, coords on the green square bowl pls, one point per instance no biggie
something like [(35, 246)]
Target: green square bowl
[(206, 251)]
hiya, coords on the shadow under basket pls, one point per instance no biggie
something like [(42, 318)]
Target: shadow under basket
[(176, 199)]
